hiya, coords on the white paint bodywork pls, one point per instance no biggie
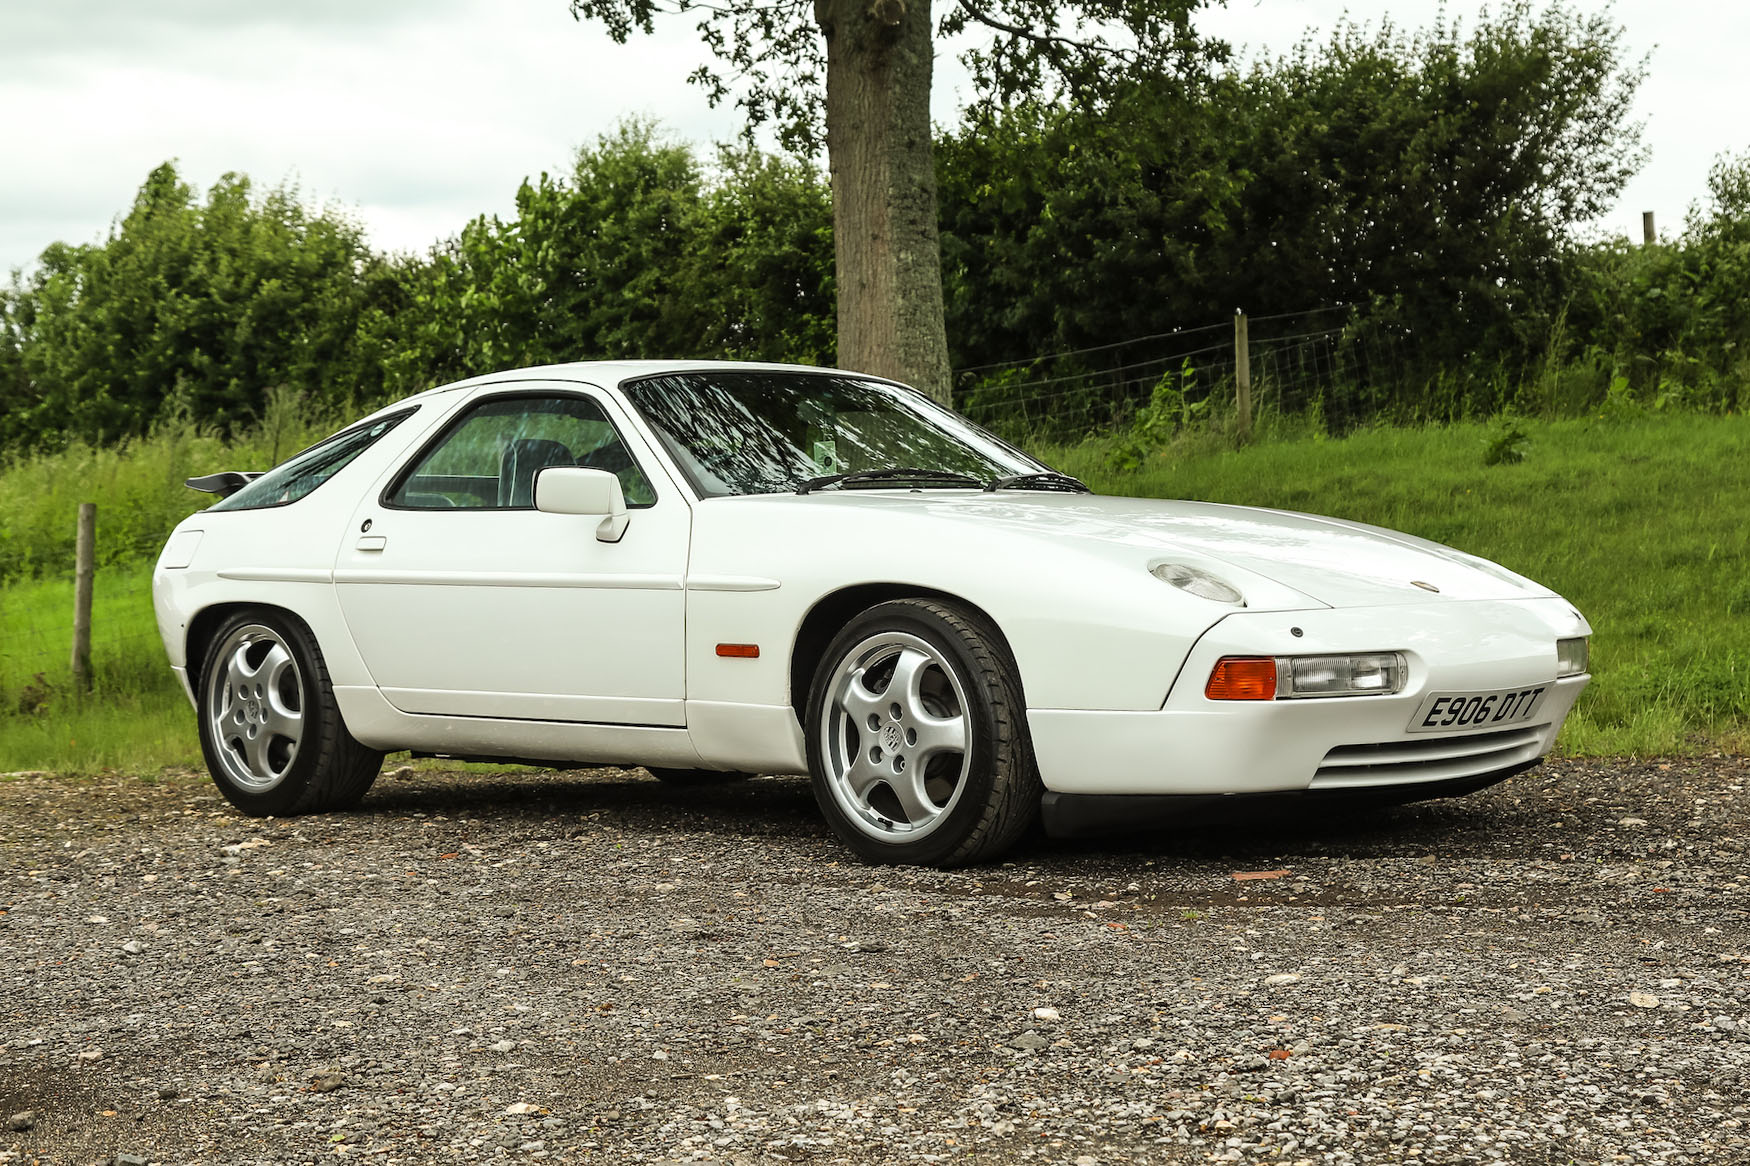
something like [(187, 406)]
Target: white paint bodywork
[(519, 633)]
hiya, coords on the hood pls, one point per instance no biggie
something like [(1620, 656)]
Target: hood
[(1330, 560)]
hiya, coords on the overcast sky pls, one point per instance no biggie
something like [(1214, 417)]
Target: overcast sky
[(420, 114)]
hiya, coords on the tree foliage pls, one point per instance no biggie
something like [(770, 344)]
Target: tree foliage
[(1431, 181), (1443, 172), (855, 76), (211, 309), (1668, 324), (640, 251), (1438, 184), (771, 59), (200, 306)]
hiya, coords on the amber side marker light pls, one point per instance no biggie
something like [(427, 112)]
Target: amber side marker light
[(1242, 678), (739, 651)]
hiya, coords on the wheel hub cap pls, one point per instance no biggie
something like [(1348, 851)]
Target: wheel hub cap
[(254, 708), (896, 740)]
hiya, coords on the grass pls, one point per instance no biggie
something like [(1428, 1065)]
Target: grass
[(135, 733), (137, 486), (1642, 520), (135, 717)]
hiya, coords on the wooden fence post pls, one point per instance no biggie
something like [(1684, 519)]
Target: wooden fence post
[(1243, 375), (84, 567), (1648, 235)]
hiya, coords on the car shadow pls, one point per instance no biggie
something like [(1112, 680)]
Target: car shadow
[(630, 796), (778, 808)]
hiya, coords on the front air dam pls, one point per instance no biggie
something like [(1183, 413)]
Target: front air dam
[(1068, 815)]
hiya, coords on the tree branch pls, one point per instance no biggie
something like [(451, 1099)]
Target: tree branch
[(991, 21)]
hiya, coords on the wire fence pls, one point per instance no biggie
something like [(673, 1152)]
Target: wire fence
[(1294, 360)]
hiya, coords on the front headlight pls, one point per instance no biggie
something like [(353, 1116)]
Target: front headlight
[(1292, 677), (1370, 674), (1573, 656), (1198, 582)]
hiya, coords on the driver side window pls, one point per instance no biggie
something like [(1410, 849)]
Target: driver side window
[(488, 459)]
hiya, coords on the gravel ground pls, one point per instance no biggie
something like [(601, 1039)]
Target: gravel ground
[(591, 966)]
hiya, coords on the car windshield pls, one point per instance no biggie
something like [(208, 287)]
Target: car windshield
[(750, 432)]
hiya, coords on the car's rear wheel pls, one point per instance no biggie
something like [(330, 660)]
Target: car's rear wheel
[(917, 737), (696, 776), (272, 734)]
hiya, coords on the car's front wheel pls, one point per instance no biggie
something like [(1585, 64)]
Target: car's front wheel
[(270, 730), (917, 737)]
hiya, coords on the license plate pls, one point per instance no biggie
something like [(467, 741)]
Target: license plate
[(1456, 712)]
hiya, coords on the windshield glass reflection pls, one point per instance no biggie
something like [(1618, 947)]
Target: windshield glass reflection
[(749, 432)]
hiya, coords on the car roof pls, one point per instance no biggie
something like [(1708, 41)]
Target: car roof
[(611, 373)]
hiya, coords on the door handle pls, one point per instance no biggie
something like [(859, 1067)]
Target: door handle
[(372, 542)]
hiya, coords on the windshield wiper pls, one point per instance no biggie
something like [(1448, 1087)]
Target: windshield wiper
[(895, 474), (1049, 480)]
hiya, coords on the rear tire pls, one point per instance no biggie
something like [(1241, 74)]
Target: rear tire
[(270, 729), (917, 737)]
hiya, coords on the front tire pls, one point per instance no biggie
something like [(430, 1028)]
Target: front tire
[(270, 730), (917, 737)]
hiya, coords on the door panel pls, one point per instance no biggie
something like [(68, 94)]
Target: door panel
[(464, 601)]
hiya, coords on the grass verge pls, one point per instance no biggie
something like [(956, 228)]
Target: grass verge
[(135, 716), (1643, 521)]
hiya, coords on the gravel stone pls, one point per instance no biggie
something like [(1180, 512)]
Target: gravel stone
[(591, 966)]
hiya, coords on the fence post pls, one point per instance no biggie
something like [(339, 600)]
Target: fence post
[(84, 567), (1648, 235), (1242, 374)]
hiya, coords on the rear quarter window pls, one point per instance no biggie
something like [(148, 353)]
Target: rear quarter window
[(301, 473)]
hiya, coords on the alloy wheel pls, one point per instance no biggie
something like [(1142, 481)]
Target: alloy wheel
[(896, 738)]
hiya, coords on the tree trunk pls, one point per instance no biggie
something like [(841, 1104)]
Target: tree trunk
[(885, 242)]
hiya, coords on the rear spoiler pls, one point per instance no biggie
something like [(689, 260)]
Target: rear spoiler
[(224, 483)]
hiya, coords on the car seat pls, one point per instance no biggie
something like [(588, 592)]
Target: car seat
[(522, 460)]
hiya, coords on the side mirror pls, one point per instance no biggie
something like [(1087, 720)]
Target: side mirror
[(577, 490)]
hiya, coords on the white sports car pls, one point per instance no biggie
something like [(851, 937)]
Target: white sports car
[(714, 569)]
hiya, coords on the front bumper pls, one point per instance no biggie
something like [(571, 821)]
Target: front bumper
[(187, 688), (1193, 745)]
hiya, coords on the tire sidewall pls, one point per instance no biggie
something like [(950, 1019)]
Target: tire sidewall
[(282, 799), (940, 844)]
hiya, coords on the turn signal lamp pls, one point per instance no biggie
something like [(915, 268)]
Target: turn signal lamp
[(1292, 677), (1573, 657), (1242, 678)]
